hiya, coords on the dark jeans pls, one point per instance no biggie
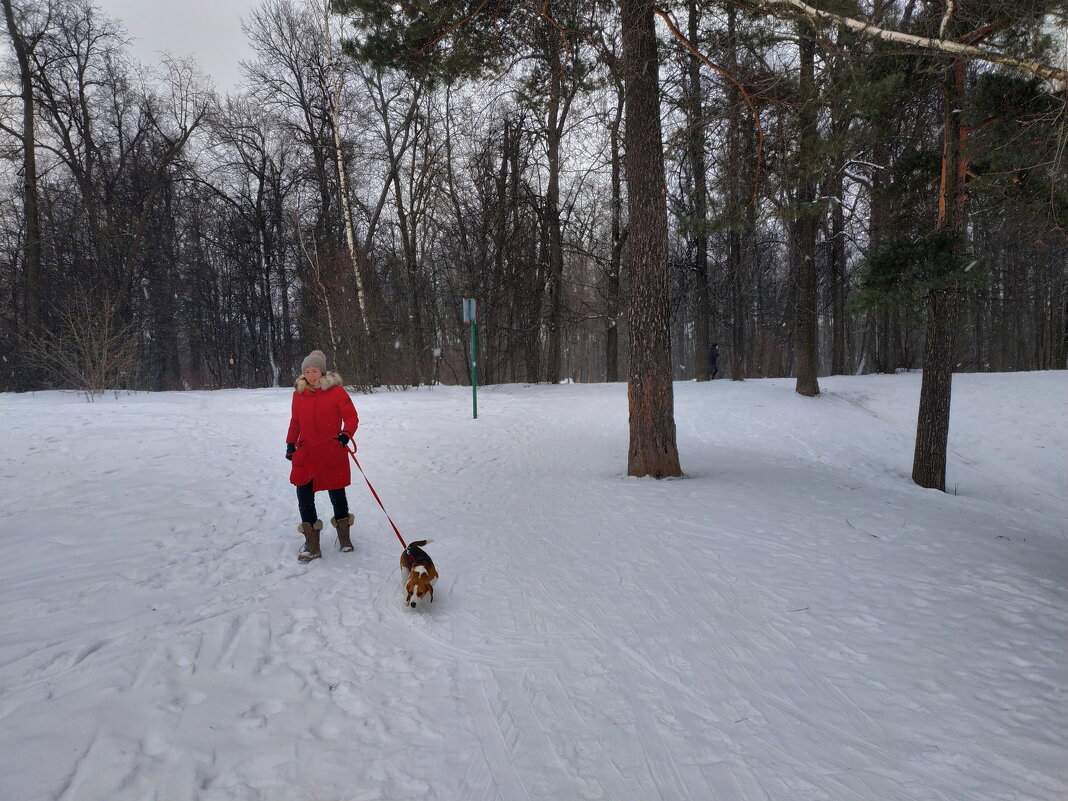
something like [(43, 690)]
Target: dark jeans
[(306, 502)]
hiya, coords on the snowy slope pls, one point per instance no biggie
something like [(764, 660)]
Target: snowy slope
[(793, 620)]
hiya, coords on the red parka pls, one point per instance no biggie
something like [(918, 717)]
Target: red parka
[(319, 415)]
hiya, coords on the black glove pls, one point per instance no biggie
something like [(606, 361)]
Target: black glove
[(343, 438), (290, 450)]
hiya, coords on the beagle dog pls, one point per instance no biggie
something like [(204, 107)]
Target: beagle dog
[(421, 573)]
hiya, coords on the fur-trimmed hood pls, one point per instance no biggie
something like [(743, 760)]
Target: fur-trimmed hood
[(329, 379)]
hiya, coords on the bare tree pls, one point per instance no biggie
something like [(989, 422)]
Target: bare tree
[(333, 91), (93, 348), (25, 32)]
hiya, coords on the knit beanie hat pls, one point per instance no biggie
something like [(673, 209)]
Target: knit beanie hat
[(315, 359)]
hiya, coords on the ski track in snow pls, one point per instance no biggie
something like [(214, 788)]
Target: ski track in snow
[(793, 620)]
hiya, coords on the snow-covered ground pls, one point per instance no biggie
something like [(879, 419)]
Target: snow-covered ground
[(793, 620)]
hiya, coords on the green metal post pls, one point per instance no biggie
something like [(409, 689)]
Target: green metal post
[(474, 374)]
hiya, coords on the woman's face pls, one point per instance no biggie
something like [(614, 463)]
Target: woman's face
[(312, 375)]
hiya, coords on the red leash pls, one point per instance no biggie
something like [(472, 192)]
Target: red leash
[(352, 453)]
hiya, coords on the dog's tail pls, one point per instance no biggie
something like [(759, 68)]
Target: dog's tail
[(419, 543)]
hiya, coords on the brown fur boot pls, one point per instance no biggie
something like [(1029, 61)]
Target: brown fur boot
[(311, 541), (342, 527)]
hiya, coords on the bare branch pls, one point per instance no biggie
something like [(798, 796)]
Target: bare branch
[(970, 52), (745, 95)]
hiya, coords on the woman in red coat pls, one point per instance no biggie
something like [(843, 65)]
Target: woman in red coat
[(320, 428)]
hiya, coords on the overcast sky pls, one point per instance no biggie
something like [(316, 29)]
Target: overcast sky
[(208, 30)]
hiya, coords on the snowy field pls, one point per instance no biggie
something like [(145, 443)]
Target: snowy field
[(793, 620)]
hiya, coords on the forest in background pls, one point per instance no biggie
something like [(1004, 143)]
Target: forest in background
[(157, 235)]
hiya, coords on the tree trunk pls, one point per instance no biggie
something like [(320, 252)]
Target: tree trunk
[(806, 336), (653, 450), (612, 289), (695, 119), (836, 258), (932, 425), (877, 355), (412, 325), (333, 92), (741, 150), (554, 285), (30, 206)]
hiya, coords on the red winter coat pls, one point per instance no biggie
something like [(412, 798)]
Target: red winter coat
[(319, 415)]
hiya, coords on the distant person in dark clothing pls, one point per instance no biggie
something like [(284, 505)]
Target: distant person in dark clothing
[(713, 361)]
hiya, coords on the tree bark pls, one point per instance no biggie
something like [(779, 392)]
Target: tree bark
[(741, 150), (615, 268), (612, 282), (554, 123), (30, 204), (695, 119), (653, 450), (806, 334), (333, 88), (932, 425), (836, 257)]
